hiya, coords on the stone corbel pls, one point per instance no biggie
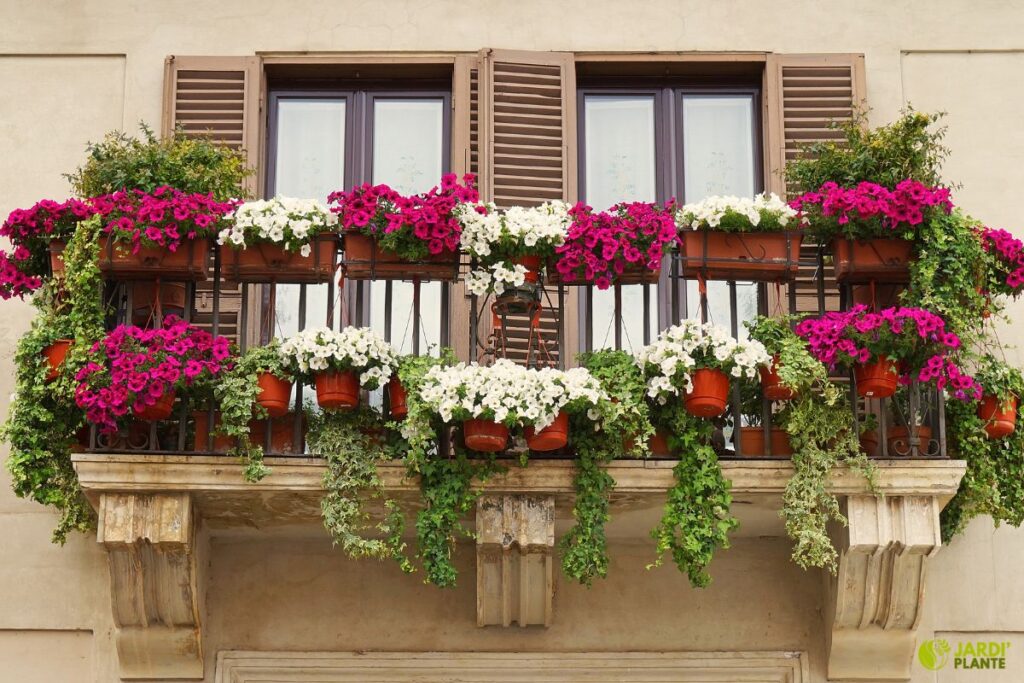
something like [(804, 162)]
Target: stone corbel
[(878, 592), (514, 573), (151, 548)]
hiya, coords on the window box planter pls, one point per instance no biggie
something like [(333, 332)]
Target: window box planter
[(484, 436), (710, 394), (55, 354), (757, 256), (878, 260), (878, 379), (190, 263), (632, 274), (1000, 419), (275, 394), (552, 437), (752, 443), (336, 389), (267, 262), (364, 260)]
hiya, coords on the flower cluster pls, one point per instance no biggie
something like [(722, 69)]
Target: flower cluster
[(495, 278), (132, 368), (412, 227), (358, 349), (915, 337), (763, 213), (163, 218), (30, 231), (1009, 258), (871, 210), (509, 394), (690, 345), (289, 222), (601, 245)]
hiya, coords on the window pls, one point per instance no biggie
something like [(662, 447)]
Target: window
[(325, 140), (652, 144)]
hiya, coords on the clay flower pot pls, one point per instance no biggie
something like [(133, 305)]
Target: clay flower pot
[(532, 264), (878, 379), (282, 434), (275, 394), (869, 443), (484, 436), (878, 260), (659, 444), (761, 256), (269, 262), (898, 441), (55, 354), (752, 442), (335, 389), (202, 421), (710, 394), (552, 437), (397, 398), (161, 410), (774, 389), (56, 249), (1000, 419), (171, 296)]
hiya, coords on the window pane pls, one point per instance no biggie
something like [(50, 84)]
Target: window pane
[(408, 155), (620, 166), (310, 164)]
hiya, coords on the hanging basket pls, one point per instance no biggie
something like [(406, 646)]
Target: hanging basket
[(752, 443), (337, 389), (710, 394), (397, 399), (275, 394), (552, 437), (172, 297), (363, 259), (189, 263), (55, 354), (1000, 418), (771, 383), (484, 436), (878, 379), (161, 410), (878, 260), (757, 256), (263, 262)]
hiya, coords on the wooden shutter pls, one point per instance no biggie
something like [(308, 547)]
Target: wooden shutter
[(219, 98), (803, 94)]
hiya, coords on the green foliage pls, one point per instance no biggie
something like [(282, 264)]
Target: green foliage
[(584, 547), (909, 147), (999, 379), (189, 164), (798, 369)]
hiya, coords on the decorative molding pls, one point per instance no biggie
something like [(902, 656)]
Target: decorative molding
[(519, 667), (878, 592), (150, 542), (515, 537)]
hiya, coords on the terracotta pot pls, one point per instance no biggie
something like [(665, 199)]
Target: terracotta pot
[(1000, 420), (282, 434), (759, 256), (172, 297), (869, 443), (532, 264), (752, 442), (632, 274), (273, 263), (191, 261), (56, 249), (880, 260), (55, 354), (484, 436), (275, 394), (552, 437), (221, 443), (771, 383), (364, 260), (161, 410), (397, 404), (898, 441), (659, 444), (878, 379), (878, 296), (710, 394), (337, 389)]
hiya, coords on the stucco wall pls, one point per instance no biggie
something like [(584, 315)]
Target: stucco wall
[(74, 69)]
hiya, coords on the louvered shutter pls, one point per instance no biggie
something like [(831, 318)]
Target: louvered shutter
[(803, 95), (527, 155), (219, 98)]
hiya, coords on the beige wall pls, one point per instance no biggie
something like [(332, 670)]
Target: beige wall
[(73, 70)]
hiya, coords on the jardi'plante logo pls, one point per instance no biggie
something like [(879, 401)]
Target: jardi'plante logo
[(971, 654)]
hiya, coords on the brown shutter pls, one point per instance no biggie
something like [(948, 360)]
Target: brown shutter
[(803, 95), (218, 97)]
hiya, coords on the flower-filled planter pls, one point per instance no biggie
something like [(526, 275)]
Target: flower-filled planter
[(1006, 261), (877, 345), (695, 361), (732, 238), (341, 363), (388, 236), (159, 235), (1002, 386), (871, 227), (279, 240), (139, 372), (38, 236), (623, 245)]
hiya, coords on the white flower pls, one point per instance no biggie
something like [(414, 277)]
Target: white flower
[(305, 250), (708, 213), (290, 222), (358, 349)]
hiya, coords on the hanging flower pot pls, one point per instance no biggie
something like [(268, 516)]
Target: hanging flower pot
[(56, 249), (397, 398), (55, 354), (161, 410), (337, 389), (1000, 418), (552, 437), (774, 389), (532, 264), (878, 379), (752, 442), (710, 394), (484, 435), (898, 441), (275, 394), (147, 295), (658, 443)]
